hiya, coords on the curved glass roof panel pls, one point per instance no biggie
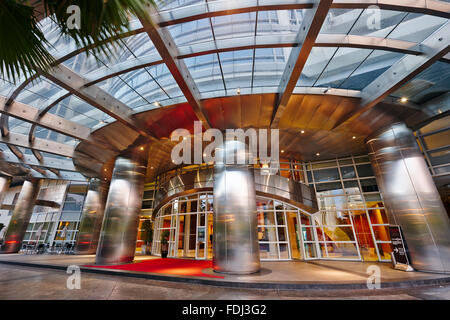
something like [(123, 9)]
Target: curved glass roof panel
[(430, 83), (376, 63), (74, 109), (39, 93), (44, 133), (18, 126), (345, 68), (417, 27), (142, 88)]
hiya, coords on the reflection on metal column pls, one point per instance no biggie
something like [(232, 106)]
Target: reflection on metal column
[(92, 217), (21, 216), (4, 186), (235, 243), (411, 198), (117, 241)]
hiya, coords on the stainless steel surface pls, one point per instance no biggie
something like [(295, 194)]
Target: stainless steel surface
[(117, 241), (165, 44), (436, 47), (4, 186), (411, 198), (306, 37), (50, 121), (97, 97), (91, 218), (235, 243), (297, 193), (20, 218)]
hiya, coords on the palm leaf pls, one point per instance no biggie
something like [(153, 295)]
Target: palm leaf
[(23, 46), (22, 43)]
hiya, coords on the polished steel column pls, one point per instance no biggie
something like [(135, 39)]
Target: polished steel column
[(411, 198), (4, 186), (235, 243), (117, 242), (91, 217), (21, 216)]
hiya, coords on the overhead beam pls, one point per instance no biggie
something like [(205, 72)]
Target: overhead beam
[(306, 37), (21, 140), (367, 42), (222, 8), (95, 96), (434, 48), (429, 7), (47, 162), (50, 121), (166, 47)]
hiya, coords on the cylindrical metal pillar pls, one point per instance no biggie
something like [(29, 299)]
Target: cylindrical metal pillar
[(411, 198), (235, 243), (91, 218), (117, 242), (21, 216), (4, 186)]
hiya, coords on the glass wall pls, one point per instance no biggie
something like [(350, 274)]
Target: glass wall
[(70, 217), (282, 229), (351, 222), (43, 220), (145, 221)]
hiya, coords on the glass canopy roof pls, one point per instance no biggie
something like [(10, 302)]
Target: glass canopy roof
[(223, 52)]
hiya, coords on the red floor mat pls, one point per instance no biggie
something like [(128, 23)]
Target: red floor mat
[(180, 267)]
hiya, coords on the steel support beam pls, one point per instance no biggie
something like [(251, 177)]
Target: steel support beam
[(50, 121), (434, 48), (165, 45), (21, 140), (223, 8), (47, 162), (95, 96), (306, 37)]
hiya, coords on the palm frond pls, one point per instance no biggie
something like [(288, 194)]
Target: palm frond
[(23, 45)]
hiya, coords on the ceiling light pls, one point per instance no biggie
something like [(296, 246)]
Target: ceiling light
[(303, 131), (282, 151), (142, 148), (157, 104), (353, 137), (238, 90), (317, 154), (404, 100)]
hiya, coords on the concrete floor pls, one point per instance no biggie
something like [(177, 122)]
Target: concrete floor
[(39, 283), (297, 272)]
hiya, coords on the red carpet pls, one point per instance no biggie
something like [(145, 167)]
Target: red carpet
[(180, 267)]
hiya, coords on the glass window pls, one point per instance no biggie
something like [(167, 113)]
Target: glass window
[(369, 185), (348, 172), (326, 175), (364, 170)]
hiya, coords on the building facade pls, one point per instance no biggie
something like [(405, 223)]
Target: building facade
[(359, 96)]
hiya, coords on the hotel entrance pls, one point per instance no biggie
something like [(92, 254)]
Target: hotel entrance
[(284, 231)]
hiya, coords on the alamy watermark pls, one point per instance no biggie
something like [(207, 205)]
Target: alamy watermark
[(256, 142), (374, 279), (74, 280)]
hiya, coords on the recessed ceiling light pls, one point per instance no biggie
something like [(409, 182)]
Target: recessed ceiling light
[(353, 137), (282, 151), (404, 100), (317, 154), (303, 131)]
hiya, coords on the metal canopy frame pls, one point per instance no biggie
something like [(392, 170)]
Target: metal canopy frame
[(435, 47), (418, 58)]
